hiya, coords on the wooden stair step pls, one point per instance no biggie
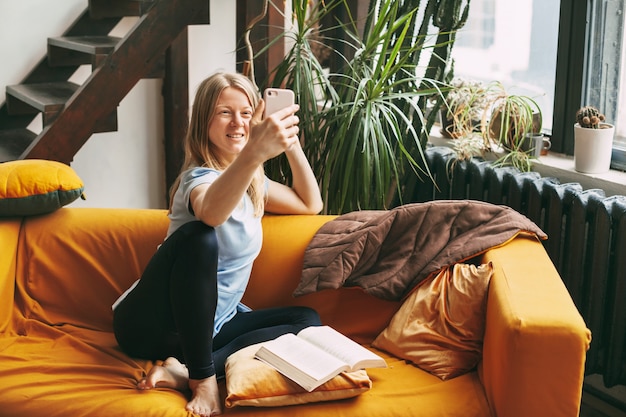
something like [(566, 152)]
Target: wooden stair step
[(50, 99), (47, 98), (99, 9), (13, 142), (78, 50)]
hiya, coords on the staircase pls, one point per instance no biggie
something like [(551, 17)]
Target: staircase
[(70, 112)]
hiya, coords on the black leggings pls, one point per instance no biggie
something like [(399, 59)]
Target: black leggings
[(171, 311)]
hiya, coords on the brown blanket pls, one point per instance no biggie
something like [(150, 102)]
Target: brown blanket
[(387, 253)]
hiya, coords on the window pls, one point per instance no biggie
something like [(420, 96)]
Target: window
[(514, 43), (563, 54), (478, 32)]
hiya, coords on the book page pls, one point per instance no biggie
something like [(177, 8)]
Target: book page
[(300, 354), (342, 347)]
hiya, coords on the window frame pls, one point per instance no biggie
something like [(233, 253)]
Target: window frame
[(574, 85), (570, 60)]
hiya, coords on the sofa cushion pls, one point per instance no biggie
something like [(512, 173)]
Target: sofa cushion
[(441, 324), (252, 382), (75, 262), (31, 187), (70, 371)]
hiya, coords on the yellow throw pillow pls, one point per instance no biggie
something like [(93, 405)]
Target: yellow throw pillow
[(34, 186), (250, 382), (440, 325)]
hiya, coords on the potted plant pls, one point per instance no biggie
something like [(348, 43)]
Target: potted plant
[(514, 124), (508, 125), (593, 141), (464, 107), (367, 132)]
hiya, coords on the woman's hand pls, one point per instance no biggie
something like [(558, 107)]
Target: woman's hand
[(267, 139), (273, 135)]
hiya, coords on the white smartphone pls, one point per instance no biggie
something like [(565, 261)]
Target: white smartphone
[(277, 99)]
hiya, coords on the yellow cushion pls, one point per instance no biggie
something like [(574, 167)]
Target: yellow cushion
[(30, 187), (250, 382), (441, 324)]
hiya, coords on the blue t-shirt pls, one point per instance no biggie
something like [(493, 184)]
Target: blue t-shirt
[(239, 242)]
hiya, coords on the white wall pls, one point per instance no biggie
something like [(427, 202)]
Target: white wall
[(123, 168)]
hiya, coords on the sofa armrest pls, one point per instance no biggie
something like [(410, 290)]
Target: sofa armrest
[(535, 339)]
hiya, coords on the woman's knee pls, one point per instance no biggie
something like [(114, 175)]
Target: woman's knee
[(199, 235), (306, 316)]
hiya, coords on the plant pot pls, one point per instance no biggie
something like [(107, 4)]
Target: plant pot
[(449, 128), (535, 144), (447, 124), (592, 148), (511, 136)]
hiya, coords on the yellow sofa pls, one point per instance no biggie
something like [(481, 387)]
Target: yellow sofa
[(60, 273)]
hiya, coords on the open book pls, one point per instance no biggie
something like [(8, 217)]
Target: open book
[(316, 355)]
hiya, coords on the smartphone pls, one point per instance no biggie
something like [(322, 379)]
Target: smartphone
[(277, 99)]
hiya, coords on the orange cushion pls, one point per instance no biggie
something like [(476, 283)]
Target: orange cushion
[(252, 382), (441, 324)]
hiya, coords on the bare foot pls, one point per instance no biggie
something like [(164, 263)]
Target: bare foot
[(172, 374), (205, 398)]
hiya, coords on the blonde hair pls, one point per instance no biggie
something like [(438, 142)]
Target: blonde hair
[(199, 150)]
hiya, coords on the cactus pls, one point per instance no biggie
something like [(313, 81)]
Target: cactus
[(589, 117)]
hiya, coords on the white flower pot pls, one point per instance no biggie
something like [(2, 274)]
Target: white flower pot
[(592, 148)]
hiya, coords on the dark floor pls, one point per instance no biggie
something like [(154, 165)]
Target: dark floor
[(593, 406)]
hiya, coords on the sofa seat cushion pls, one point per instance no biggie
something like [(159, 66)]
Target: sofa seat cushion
[(70, 371), (391, 396)]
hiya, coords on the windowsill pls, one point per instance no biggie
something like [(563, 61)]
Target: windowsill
[(561, 167)]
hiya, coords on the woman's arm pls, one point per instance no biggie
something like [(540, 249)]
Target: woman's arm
[(214, 203), (304, 196)]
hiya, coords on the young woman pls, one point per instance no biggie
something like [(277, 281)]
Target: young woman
[(186, 307)]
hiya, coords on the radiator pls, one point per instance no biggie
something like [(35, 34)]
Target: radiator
[(586, 241)]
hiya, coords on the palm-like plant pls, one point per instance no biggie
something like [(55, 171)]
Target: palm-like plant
[(370, 130), (301, 71), (367, 129)]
